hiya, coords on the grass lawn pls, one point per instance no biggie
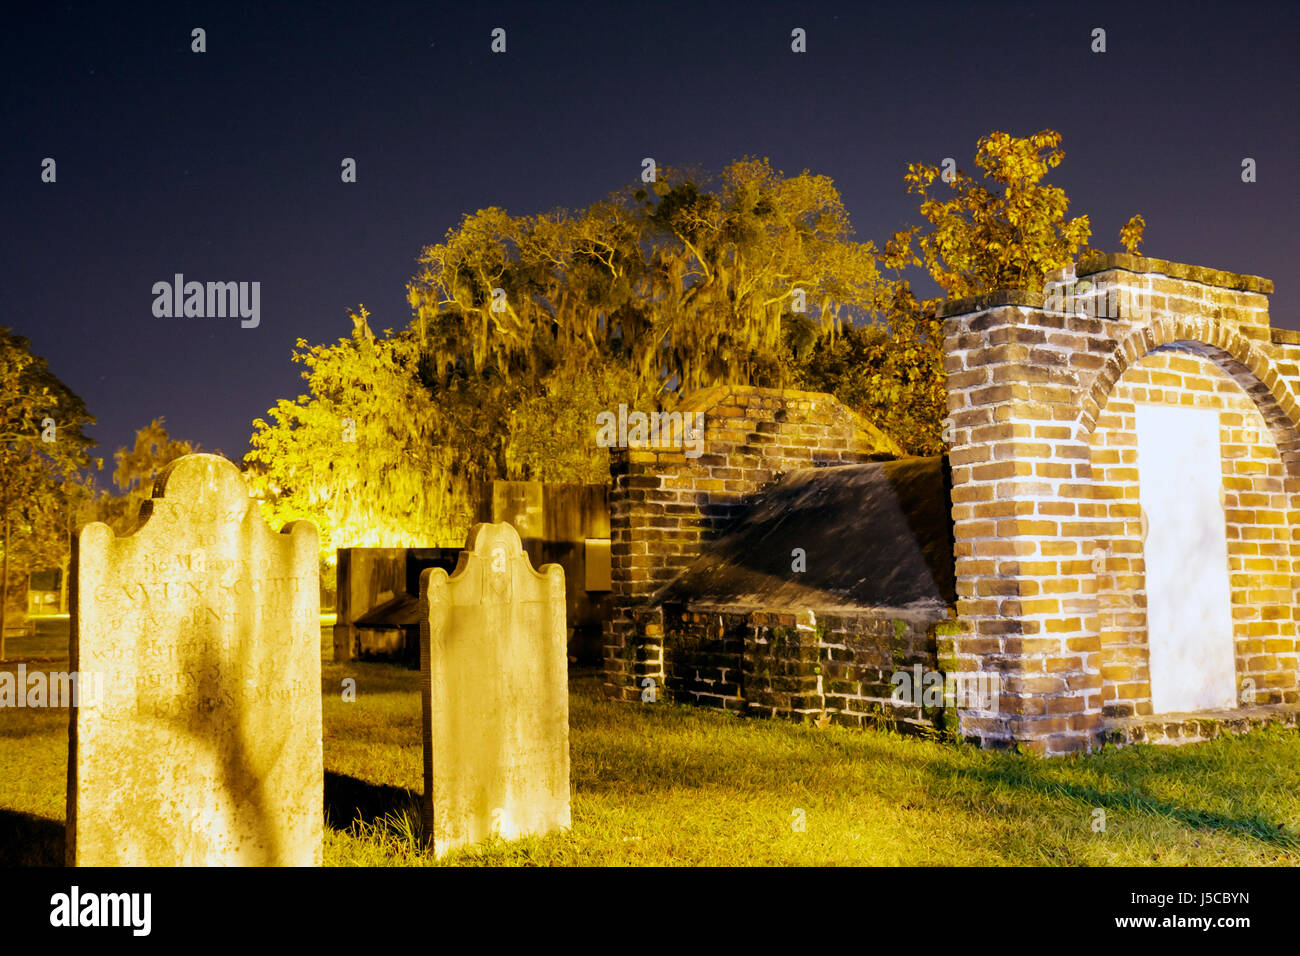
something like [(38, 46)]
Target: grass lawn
[(660, 784)]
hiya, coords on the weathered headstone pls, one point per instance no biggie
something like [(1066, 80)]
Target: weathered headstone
[(204, 746), (495, 690)]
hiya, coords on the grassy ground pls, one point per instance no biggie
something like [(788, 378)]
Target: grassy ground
[(665, 785)]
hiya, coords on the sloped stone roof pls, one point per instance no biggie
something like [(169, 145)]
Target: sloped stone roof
[(779, 401), (876, 535), (402, 611)]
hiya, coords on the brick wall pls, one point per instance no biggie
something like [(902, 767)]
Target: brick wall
[(1048, 542), (797, 664), (1257, 509), (1038, 395), (664, 505)]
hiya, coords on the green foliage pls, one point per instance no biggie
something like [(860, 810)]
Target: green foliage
[(639, 299), (891, 373), (1005, 232), (368, 456), (1005, 235), (42, 448), (526, 327), (687, 285), (1130, 235), (137, 469), (551, 431)]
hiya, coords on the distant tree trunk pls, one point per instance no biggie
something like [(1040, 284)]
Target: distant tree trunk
[(65, 567), (4, 588)]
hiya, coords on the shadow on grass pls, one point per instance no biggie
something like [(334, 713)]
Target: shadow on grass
[(28, 840), (1027, 776), (348, 799)]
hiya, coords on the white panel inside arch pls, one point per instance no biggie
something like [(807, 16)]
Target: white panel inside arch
[(1189, 604)]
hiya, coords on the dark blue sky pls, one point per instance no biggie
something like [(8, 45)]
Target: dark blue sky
[(225, 165)]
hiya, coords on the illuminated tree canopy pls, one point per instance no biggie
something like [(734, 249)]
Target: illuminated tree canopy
[(1005, 232), (137, 468), (364, 456), (525, 327)]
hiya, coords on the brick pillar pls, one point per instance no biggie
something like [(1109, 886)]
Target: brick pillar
[(653, 534), (1023, 513)]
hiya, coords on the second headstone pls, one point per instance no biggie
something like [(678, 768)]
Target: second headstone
[(495, 688)]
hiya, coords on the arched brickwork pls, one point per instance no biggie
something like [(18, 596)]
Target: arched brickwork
[(1259, 490), (1029, 384), (1233, 351)]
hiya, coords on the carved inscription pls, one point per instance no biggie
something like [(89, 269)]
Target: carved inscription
[(206, 749)]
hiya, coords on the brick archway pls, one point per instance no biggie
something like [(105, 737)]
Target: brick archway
[(1027, 386), (1230, 350), (1258, 496)]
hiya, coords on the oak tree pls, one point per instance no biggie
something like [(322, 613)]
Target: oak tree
[(42, 448)]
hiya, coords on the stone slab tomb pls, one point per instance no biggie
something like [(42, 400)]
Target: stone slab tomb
[(495, 690), (205, 746), (1115, 546)]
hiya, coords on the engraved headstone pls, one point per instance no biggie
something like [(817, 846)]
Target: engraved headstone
[(204, 745), (495, 688)]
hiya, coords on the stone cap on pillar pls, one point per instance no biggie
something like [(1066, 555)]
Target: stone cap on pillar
[(1107, 262), (1091, 265), (990, 300)]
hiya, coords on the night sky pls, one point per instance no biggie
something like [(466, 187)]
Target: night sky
[(224, 166)]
